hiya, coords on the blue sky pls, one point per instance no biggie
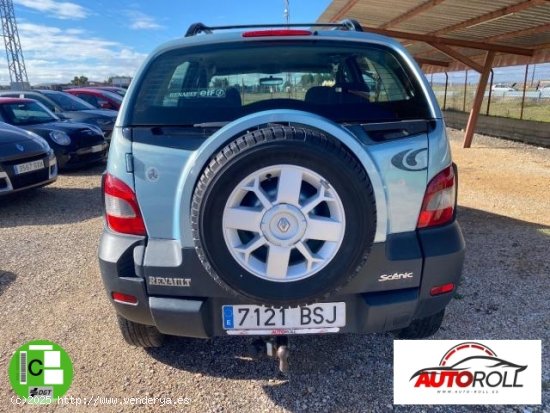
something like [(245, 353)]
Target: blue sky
[(65, 38)]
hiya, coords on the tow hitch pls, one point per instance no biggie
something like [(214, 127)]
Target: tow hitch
[(276, 347)]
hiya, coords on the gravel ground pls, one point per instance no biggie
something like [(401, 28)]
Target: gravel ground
[(50, 288)]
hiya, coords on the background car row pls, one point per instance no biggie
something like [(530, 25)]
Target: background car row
[(98, 98), (43, 131), (69, 107), (26, 160)]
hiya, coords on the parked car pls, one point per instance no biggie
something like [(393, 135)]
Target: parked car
[(545, 91), (236, 206), (26, 160), (75, 144), (113, 89), (70, 107), (98, 98), (501, 87)]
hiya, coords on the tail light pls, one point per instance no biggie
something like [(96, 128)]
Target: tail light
[(440, 200), (121, 208)]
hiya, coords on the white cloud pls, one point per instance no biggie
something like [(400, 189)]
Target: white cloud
[(56, 55), (140, 21), (61, 10)]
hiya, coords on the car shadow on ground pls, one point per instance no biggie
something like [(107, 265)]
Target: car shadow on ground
[(50, 205), (229, 357), (90, 170), (234, 357), (6, 279), (507, 250)]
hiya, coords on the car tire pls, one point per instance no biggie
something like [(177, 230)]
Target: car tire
[(317, 157), (140, 335), (421, 328)]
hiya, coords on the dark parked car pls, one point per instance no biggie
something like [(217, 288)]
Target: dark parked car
[(74, 144), (26, 160), (99, 98), (67, 106)]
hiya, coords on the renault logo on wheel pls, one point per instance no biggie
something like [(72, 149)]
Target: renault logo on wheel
[(283, 225)]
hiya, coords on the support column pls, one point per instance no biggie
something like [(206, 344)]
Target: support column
[(445, 95), (465, 91), (478, 100), (524, 90), (490, 92)]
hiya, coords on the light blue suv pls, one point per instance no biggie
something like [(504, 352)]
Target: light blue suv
[(270, 181)]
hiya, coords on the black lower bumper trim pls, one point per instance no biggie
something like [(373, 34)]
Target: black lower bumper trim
[(442, 250)]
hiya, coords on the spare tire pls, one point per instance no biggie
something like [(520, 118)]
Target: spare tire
[(283, 215)]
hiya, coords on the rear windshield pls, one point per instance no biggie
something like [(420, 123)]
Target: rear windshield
[(342, 81), (26, 113), (68, 102), (112, 95)]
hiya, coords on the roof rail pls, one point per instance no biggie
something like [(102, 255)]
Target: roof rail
[(348, 24), (352, 25)]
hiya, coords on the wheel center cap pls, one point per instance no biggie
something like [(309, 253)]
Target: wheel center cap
[(283, 225)]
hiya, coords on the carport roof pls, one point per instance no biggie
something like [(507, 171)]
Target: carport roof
[(447, 35)]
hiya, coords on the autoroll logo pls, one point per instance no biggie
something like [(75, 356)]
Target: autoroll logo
[(469, 372), (470, 365)]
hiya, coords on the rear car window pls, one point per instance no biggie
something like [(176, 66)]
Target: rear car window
[(342, 81), (113, 96), (68, 102), (26, 113), (92, 100)]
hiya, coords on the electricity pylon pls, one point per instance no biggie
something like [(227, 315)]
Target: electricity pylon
[(14, 53)]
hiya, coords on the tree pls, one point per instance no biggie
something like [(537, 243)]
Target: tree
[(79, 81)]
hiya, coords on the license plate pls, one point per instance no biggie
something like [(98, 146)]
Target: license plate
[(28, 167), (260, 320), (97, 148)]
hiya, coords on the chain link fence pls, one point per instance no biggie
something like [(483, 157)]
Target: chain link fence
[(520, 92)]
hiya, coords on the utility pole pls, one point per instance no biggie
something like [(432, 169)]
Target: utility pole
[(14, 53), (286, 12), (286, 15)]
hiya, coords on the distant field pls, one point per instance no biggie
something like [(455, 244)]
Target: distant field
[(534, 109)]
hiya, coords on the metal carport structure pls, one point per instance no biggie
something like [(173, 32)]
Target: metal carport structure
[(458, 34)]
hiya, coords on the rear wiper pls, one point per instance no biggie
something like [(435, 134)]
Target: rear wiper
[(210, 125)]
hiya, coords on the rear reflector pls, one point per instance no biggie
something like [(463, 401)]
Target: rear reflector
[(124, 298), (442, 289), (274, 33), (121, 208), (440, 200)]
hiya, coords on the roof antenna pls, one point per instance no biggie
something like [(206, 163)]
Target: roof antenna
[(286, 12)]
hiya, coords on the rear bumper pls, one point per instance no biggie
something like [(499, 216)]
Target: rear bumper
[(81, 157), (9, 191), (368, 307)]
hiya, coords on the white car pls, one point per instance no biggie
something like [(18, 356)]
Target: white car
[(545, 92), (499, 87)]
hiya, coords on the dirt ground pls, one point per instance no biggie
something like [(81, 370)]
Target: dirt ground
[(50, 288), (504, 177)]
